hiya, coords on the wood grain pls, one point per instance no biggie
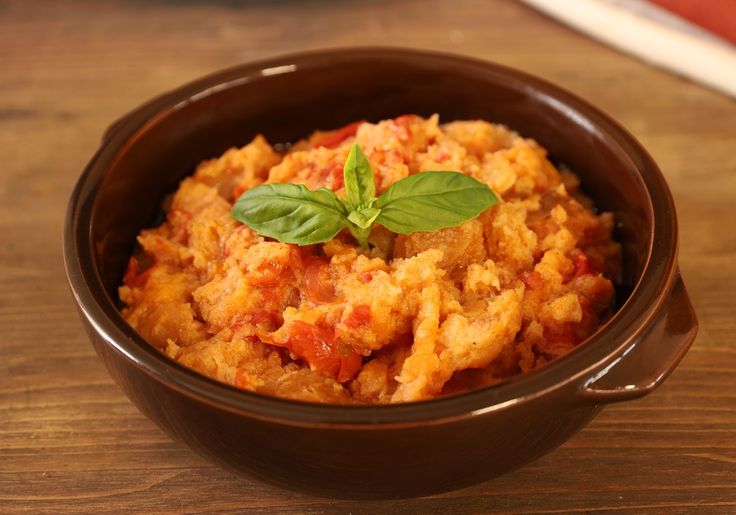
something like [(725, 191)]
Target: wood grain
[(70, 440)]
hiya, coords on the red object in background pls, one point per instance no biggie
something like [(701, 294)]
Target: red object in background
[(716, 16)]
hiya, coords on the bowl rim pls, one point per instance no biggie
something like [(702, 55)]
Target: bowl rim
[(598, 351)]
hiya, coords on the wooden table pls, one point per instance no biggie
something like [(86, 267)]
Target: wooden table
[(70, 440)]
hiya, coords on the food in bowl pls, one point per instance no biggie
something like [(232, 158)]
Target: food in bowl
[(405, 317)]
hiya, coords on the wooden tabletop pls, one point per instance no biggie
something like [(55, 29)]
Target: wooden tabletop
[(70, 440)]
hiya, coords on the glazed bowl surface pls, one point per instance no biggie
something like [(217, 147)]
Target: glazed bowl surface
[(390, 450)]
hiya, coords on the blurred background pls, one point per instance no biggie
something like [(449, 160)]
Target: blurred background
[(665, 69)]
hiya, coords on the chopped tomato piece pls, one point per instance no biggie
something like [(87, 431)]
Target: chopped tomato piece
[(269, 274), (366, 277), (338, 176), (360, 316), (350, 365), (331, 176), (402, 124), (532, 280), (317, 346), (317, 285), (582, 265), (334, 138)]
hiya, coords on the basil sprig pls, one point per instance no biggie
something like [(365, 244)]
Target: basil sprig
[(423, 202)]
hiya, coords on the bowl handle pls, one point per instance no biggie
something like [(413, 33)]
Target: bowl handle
[(651, 359)]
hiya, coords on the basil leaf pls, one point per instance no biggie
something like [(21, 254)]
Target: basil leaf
[(430, 201), (424, 202), (365, 217), (291, 213), (359, 183)]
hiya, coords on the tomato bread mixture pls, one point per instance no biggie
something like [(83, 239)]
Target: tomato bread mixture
[(411, 317)]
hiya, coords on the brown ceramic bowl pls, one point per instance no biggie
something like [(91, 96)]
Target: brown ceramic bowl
[(377, 451)]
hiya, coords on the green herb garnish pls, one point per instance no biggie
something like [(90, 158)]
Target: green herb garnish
[(423, 202)]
